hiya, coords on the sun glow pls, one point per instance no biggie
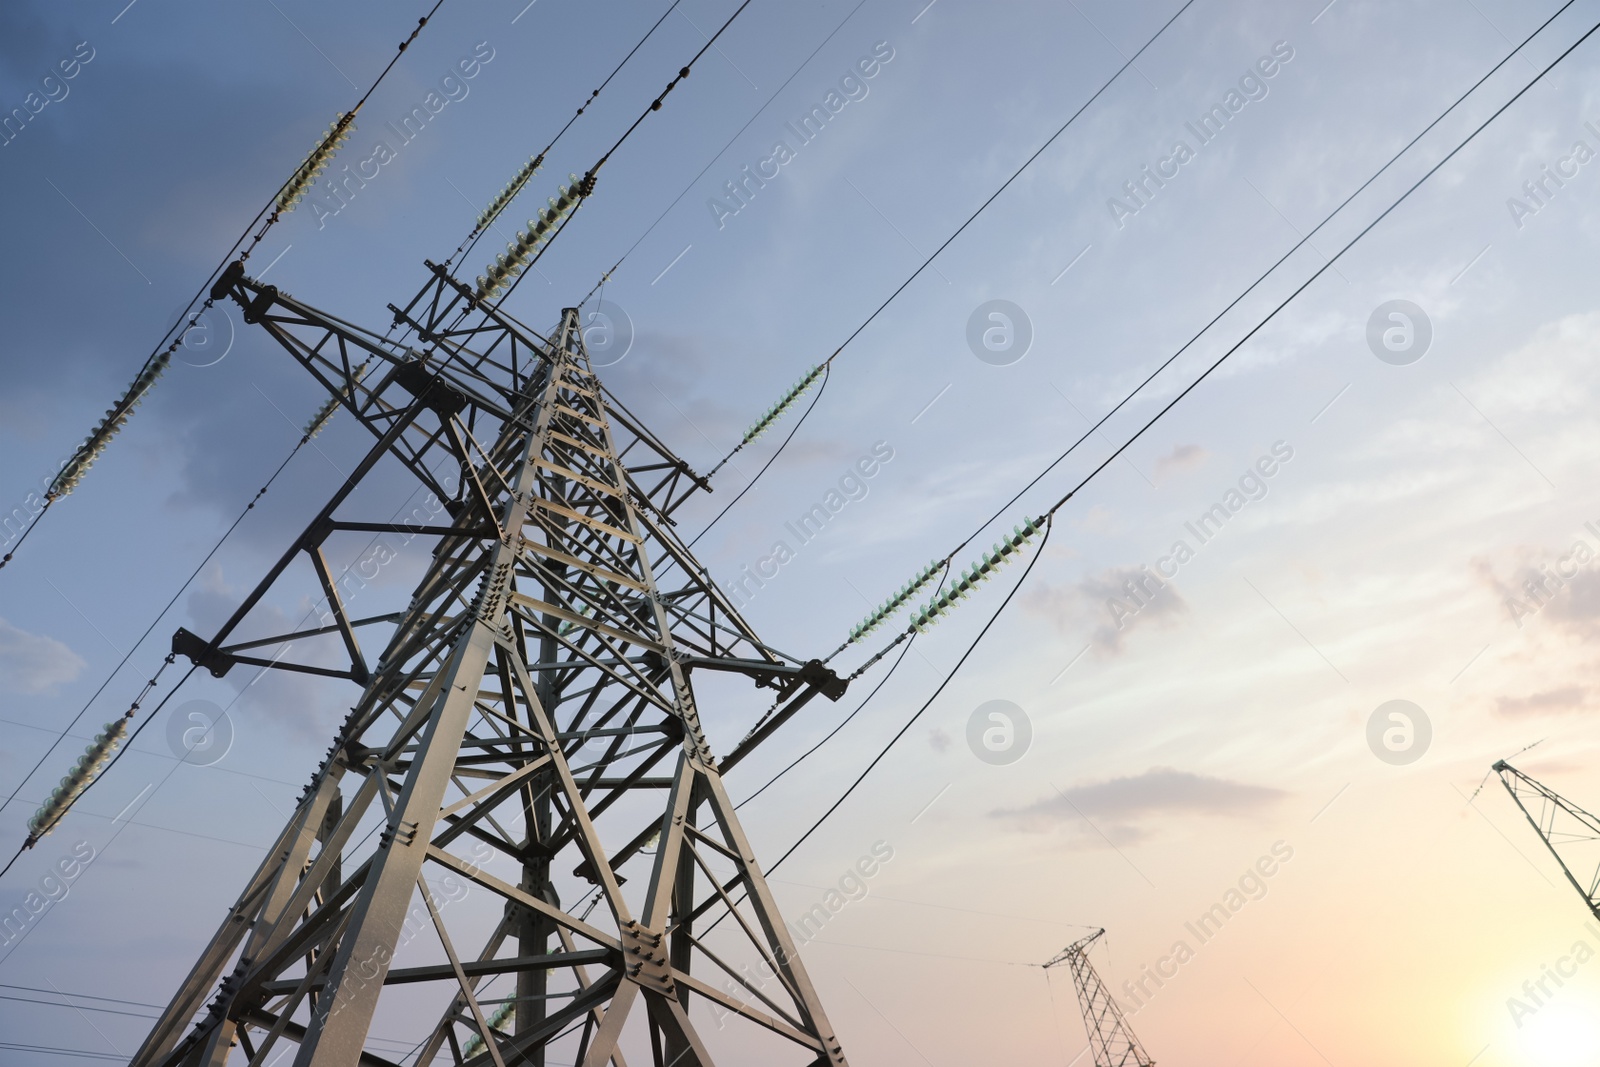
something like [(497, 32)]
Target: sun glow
[(1560, 1035)]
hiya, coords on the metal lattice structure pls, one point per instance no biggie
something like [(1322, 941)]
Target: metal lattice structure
[(1560, 822), (1111, 1039), (530, 726)]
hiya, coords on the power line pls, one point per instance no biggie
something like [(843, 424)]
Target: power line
[(655, 105), (78, 1007), (80, 996), (928, 261), (586, 187), (1198, 334), (1260, 278), (719, 153), (851, 788), (35, 835), (1050, 513), (1263, 277), (1048, 525), (829, 736), (150, 629), (471, 240), (11, 1046), (151, 789), (127, 743), (1219, 361), (827, 372), (124, 406), (466, 244), (1322, 269)]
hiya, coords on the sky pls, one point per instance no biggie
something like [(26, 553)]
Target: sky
[(1379, 489)]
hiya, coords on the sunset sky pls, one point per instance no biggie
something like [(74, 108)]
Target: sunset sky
[(1179, 733)]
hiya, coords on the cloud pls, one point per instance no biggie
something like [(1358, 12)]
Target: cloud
[(1116, 807), (1181, 458), (1565, 699), (31, 663), (1534, 588), (1546, 769), (1111, 601), (1579, 609)]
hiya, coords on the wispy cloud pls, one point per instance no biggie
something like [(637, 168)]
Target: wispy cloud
[(1123, 808), (32, 663), (1087, 604), (1566, 699), (1181, 458)]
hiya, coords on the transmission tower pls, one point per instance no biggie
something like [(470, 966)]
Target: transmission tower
[(560, 613), (1562, 823), (1111, 1039)]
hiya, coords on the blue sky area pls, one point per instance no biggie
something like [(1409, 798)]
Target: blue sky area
[(1378, 503)]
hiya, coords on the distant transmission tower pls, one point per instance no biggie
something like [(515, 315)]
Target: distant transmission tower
[(1111, 1039), (1562, 823), (528, 734)]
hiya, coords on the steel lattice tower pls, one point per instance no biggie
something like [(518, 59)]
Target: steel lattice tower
[(1111, 1039), (1559, 822), (559, 611)]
